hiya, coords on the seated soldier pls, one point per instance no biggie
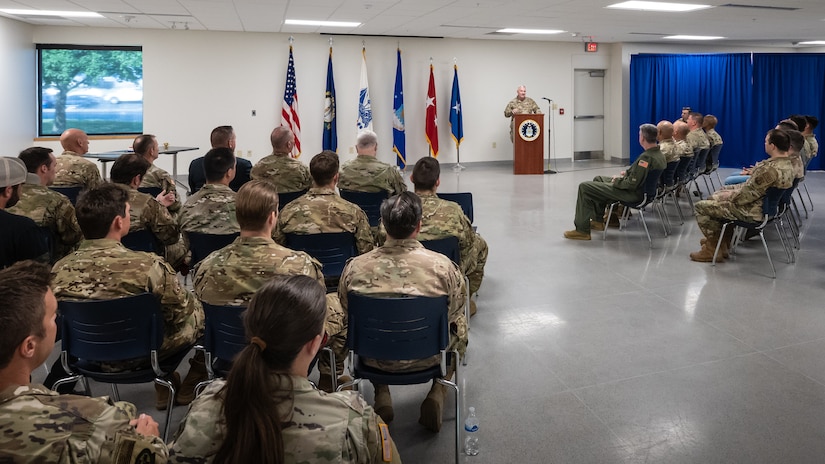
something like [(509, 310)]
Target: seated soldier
[(44, 206), (147, 213), (400, 267), (102, 268), (365, 173), (40, 425), (595, 195), (321, 210), (280, 168), (667, 145), (20, 238), (146, 145), (229, 276), (72, 169), (743, 202), (221, 137)]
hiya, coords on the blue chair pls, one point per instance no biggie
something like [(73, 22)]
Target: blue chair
[(770, 210), (202, 244), (370, 202), (401, 328), (649, 189), (285, 197), (713, 166), (70, 192), (464, 199), (142, 240), (332, 249), (151, 191), (109, 331), (449, 247)]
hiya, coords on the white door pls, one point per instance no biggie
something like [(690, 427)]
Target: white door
[(588, 114)]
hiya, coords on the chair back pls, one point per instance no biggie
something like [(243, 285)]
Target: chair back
[(141, 240), (285, 197), (112, 330), (202, 244), (49, 240), (332, 249), (397, 328), (701, 160), (668, 178), (682, 168), (370, 202), (70, 192), (151, 191), (770, 204), (464, 199), (713, 156), (447, 246), (224, 334), (650, 187), (787, 197)]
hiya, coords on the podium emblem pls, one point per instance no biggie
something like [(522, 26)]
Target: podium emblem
[(528, 130)]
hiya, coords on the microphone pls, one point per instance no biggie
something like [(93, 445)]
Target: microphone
[(548, 99)]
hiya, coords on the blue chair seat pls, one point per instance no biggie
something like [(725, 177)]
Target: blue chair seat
[(370, 202), (331, 249)]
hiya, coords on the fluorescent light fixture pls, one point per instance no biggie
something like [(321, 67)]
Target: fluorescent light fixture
[(65, 14), (510, 30), (657, 6), (309, 22), (693, 37), (812, 42)]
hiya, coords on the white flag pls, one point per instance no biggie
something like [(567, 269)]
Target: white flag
[(364, 106)]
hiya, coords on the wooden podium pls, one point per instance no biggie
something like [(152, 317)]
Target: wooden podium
[(528, 144)]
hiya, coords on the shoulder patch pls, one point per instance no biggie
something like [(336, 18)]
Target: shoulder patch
[(643, 163)]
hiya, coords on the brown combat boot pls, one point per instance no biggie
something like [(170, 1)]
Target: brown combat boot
[(197, 374), (576, 235), (433, 407), (596, 225), (383, 403), (705, 255), (162, 393)]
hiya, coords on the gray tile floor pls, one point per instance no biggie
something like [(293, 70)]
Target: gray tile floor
[(613, 352)]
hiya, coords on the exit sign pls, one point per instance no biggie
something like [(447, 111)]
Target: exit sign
[(591, 47)]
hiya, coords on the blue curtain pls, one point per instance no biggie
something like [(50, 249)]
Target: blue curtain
[(718, 84), (785, 84)]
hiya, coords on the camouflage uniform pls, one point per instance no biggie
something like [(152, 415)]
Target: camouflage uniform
[(367, 174), (744, 201), (287, 174), (322, 428), (231, 275), (713, 137), (40, 425), (321, 210), (670, 149), (595, 195), (147, 214), (405, 267), (697, 139), (157, 177), (50, 209), (210, 211), (104, 269), (75, 170), (684, 149), (516, 106), (811, 139)]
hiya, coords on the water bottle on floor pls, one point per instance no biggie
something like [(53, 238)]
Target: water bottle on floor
[(471, 427)]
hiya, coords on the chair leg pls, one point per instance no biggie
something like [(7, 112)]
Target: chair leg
[(115, 392), (767, 252), (644, 224), (719, 243), (809, 196), (607, 221), (169, 405), (454, 385)]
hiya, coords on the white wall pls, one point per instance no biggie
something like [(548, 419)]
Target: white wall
[(17, 86), (196, 80)]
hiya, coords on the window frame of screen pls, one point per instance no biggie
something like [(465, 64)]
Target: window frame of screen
[(95, 93)]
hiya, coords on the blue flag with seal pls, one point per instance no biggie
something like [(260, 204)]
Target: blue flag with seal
[(456, 123), (330, 141), (398, 137)]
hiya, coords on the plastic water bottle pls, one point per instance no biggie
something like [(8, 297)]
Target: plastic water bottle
[(471, 427)]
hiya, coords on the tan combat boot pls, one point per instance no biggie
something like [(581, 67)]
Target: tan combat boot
[(705, 255), (197, 374), (433, 407), (383, 403)]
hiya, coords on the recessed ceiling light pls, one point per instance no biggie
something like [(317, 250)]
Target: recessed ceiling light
[(529, 31), (309, 22), (66, 14), (657, 6), (812, 42), (693, 37)]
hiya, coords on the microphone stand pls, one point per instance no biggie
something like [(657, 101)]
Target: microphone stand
[(549, 169)]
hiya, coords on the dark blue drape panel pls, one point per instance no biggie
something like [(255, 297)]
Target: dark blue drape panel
[(718, 84), (786, 84)]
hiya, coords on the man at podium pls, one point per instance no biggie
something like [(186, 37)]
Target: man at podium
[(522, 104)]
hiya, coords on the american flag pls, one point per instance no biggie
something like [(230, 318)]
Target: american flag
[(289, 110)]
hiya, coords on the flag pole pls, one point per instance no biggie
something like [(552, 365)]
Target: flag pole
[(458, 167)]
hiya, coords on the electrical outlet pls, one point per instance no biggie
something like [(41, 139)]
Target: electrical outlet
[(254, 113)]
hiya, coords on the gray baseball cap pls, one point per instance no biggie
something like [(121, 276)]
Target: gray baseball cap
[(12, 172)]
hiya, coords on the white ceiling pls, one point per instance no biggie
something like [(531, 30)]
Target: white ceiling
[(754, 22)]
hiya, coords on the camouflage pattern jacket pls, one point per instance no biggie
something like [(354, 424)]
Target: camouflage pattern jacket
[(405, 267), (157, 177), (147, 213), (210, 211), (697, 139), (105, 269), (745, 199), (366, 174), (75, 170), (322, 428), (670, 150), (713, 137), (321, 210), (50, 209), (288, 174), (40, 425)]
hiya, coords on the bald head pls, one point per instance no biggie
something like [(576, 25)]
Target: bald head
[(282, 140), (665, 129), (75, 140), (680, 130)]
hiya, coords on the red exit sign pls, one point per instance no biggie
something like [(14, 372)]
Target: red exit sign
[(591, 47)]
